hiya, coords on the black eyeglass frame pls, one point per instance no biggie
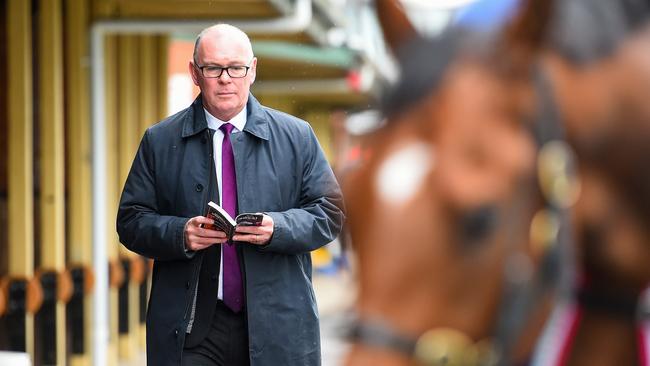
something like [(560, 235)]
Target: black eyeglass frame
[(226, 68)]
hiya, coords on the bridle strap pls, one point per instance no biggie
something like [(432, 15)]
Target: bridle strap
[(377, 334), (557, 269), (619, 305)]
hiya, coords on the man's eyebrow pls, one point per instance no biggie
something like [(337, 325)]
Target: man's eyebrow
[(235, 63)]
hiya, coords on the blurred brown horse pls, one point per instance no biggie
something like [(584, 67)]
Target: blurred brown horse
[(448, 219)]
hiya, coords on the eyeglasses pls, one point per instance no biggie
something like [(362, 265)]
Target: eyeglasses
[(210, 71)]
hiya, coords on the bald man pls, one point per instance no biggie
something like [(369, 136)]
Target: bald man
[(248, 300)]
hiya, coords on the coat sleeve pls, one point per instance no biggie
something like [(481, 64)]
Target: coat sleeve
[(139, 225), (320, 214)]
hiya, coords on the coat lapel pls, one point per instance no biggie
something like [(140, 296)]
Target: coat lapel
[(195, 121)]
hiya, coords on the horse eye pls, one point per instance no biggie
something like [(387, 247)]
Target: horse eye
[(478, 223)]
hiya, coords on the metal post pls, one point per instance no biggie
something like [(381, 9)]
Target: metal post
[(100, 207)]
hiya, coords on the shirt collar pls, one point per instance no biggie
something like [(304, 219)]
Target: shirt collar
[(239, 121)]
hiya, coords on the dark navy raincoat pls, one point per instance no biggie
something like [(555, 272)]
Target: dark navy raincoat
[(281, 170)]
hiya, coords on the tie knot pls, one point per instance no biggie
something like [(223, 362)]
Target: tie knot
[(226, 128)]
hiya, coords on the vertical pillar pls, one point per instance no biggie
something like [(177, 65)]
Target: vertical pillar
[(4, 250), (101, 335), (162, 72), (112, 188), (148, 70), (21, 179), (147, 82), (78, 179), (129, 138), (51, 317)]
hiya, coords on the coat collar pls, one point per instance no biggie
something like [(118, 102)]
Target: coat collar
[(257, 123)]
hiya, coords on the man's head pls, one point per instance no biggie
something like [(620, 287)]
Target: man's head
[(223, 45)]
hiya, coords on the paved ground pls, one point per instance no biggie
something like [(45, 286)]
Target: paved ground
[(334, 294)]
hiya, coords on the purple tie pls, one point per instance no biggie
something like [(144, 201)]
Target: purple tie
[(233, 294)]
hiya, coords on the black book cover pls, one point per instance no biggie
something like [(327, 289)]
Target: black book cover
[(224, 222)]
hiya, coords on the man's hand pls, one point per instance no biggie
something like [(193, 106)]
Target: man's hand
[(259, 235), (197, 238)]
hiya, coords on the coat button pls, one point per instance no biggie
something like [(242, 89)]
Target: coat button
[(175, 332), (187, 285), (199, 187)]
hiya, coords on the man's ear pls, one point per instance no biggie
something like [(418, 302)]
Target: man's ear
[(193, 72), (253, 70)]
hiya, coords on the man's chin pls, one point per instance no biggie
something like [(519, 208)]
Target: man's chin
[(226, 103), (223, 110)]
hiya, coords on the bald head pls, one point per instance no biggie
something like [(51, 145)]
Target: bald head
[(227, 31)]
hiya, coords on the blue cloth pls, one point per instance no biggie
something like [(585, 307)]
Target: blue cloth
[(486, 15)]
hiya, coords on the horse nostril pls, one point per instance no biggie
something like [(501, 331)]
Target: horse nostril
[(478, 223)]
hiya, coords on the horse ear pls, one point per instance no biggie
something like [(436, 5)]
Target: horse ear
[(527, 32), (395, 24)]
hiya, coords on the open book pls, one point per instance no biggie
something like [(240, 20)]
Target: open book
[(224, 222)]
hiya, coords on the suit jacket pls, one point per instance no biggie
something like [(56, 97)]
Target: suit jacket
[(281, 170)]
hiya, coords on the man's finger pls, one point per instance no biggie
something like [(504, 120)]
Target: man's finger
[(251, 238), (201, 220), (204, 240), (248, 229), (208, 233)]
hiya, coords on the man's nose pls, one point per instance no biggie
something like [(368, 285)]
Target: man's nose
[(225, 77)]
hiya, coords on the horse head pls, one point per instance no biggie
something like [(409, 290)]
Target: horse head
[(465, 199), (440, 215)]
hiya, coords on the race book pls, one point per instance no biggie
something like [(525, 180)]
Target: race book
[(224, 222)]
